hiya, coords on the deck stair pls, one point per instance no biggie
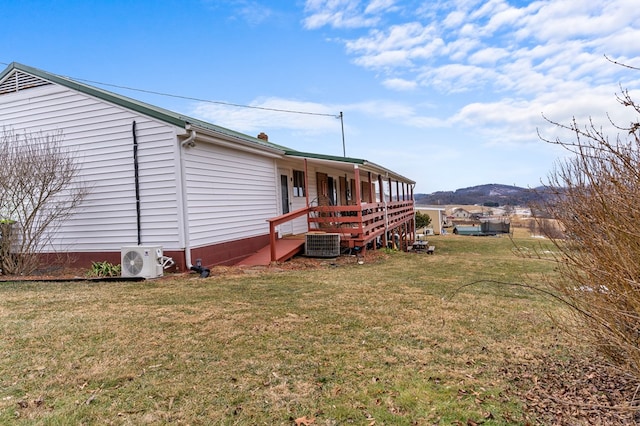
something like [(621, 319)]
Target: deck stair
[(286, 248)]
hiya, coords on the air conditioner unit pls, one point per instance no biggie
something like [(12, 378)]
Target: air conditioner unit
[(141, 261), (319, 244)]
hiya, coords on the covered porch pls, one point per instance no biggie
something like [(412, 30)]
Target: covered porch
[(372, 207)]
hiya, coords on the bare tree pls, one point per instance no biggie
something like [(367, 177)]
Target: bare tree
[(39, 189), (596, 204)]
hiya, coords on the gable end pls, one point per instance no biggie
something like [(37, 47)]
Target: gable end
[(18, 81)]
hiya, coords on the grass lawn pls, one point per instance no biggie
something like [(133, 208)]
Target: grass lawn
[(394, 341)]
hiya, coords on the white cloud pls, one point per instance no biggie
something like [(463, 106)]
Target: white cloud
[(387, 110), (314, 119), (341, 14), (399, 84), (405, 36), (252, 12), (456, 78), (376, 6), (621, 43), (390, 58), (454, 19), (505, 18), (490, 55), (560, 39), (512, 121), (499, 66)]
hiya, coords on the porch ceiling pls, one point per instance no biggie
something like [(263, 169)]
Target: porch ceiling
[(347, 164)]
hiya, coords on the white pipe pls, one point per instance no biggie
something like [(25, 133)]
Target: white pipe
[(190, 142)]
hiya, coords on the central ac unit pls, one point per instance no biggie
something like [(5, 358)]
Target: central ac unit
[(141, 261), (317, 244)]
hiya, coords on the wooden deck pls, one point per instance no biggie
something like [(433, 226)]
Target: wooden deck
[(286, 248), (359, 225)]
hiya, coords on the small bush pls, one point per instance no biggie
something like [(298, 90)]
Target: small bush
[(104, 269), (422, 220)]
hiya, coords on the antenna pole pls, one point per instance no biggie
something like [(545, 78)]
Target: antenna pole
[(344, 150)]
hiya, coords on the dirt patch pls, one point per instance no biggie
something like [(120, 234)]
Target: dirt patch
[(299, 263), (49, 274)]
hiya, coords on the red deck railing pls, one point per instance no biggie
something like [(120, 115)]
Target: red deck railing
[(357, 225)]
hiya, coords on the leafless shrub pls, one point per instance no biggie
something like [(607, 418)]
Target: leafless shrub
[(596, 203), (38, 190)]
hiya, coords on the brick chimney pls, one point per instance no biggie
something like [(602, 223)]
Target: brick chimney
[(263, 136)]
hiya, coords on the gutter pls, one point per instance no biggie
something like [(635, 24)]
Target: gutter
[(235, 142)]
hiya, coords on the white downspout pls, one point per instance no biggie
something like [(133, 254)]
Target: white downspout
[(188, 142)]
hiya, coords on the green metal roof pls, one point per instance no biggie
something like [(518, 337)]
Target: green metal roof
[(295, 153), (350, 160), (178, 119), (133, 104)]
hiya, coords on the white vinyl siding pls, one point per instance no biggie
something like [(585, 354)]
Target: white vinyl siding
[(100, 136), (300, 225), (231, 194)]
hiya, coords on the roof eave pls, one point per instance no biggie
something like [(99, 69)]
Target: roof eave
[(363, 164), (120, 100), (232, 137), (152, 111), (390, 173)]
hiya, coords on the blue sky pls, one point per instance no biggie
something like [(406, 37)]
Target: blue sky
[(448, 93)]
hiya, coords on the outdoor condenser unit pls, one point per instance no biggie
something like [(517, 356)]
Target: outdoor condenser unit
[(142, 261), (322, 244)]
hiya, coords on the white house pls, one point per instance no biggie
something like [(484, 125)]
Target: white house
[(437, 215), (205, 192), (460, 213)]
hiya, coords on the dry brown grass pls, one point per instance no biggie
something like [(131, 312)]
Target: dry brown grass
[(397, 340)]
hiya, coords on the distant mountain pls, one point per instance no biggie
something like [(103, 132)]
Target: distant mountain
[(491, 195)]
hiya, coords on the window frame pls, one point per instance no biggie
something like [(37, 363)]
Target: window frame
[(298, 183)]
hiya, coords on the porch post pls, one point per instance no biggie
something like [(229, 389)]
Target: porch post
[(390, 190), (413, 219), (413, 228), (306, 181), (384, 203), (371, 199), (404, 236), (272, 241), (306, 191), (356, 172), (397, 191)]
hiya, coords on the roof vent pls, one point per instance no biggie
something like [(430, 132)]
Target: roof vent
[(18, 80), (263, 136)]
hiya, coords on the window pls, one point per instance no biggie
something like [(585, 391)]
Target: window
[(298, 183)]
